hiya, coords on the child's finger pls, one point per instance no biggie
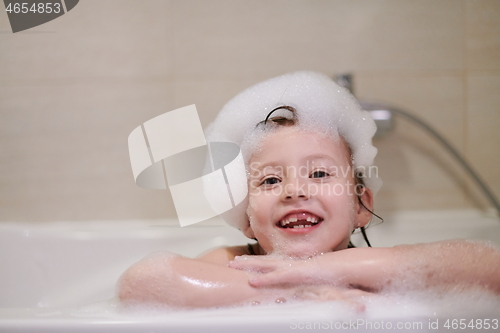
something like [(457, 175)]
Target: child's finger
[(254, 265), (275, 278)]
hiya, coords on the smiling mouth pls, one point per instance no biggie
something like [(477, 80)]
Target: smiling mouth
[(299, 220)]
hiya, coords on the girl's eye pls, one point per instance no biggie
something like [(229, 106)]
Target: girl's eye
[(270, 181), (319, 174)]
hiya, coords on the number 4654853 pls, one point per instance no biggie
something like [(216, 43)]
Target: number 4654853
[(477, 324), (36, 8)]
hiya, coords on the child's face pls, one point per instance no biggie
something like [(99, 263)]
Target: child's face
[(301, 194)]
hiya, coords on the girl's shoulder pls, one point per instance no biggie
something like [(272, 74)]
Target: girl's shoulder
[(223, 255)]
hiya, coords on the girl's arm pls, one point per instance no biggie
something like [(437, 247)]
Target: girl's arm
[(183, 282), (447, 264), (166, 279)]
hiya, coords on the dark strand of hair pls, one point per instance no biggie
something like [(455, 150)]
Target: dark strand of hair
[(280, 120)]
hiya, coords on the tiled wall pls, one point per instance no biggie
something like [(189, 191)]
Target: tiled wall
[(71, 91)]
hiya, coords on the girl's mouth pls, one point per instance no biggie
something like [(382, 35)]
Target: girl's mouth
[(299, 220)]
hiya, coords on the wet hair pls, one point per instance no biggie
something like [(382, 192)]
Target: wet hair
[(281, 120), (358, 177)]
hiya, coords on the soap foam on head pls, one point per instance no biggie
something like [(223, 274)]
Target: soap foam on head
[(322, 106)]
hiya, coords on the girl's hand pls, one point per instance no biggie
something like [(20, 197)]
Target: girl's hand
[(355, 298), (285, 271), (307, 278)]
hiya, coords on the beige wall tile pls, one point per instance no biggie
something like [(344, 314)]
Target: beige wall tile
[(438, 100), (417, 172), (4, 23), (483, 34), (244, 38), (64, 154), (209, 95), (112, 38), (483, 147), (72, 89)]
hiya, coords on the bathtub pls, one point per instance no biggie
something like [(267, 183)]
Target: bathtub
[(61, 277)]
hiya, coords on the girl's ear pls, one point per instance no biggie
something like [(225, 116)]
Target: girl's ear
[(363, 215)]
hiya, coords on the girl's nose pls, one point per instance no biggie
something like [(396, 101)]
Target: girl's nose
[(295, 189)]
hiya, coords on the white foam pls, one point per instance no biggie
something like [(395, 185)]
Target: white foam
[(400, 306)]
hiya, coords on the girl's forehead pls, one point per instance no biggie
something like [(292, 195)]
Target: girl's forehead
[(294, 141)]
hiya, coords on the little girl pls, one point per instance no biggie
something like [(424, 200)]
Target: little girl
[(311, 180)]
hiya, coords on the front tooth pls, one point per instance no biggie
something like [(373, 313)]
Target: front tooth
[(308, 219), (293, 218), (307, 226)]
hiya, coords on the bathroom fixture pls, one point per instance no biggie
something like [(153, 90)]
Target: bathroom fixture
[(383, 115)]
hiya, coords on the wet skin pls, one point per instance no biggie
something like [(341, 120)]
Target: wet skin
[(229, 276)]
